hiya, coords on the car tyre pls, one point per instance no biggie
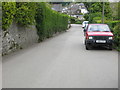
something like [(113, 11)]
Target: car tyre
[(87, 47), (110, 47)]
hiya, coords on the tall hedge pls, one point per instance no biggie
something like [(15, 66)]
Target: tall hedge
[(8, 12), (25, 13), (22, 13), (117, 36), (48, 22)]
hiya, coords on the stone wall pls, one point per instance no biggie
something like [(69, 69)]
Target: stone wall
[(17, 37)]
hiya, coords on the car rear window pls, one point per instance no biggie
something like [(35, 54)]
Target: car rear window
[(98, 28)]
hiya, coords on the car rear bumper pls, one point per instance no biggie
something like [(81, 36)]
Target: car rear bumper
[(95, 43)]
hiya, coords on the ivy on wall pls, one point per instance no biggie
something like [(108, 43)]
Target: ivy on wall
[(22, 13), (8, 12), (25, 13)]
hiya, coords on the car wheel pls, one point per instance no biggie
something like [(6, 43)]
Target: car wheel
[(87, 47), (85, 42), (110, 47)]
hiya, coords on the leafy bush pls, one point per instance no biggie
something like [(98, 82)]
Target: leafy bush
[(75, 20), (25, 13), (78, 22), (97, 19), (22, 13), (117, 36), (72, 20), (8, 12), (40, 14), (115, 27), (95, 10), (112, 24), (48, 22)]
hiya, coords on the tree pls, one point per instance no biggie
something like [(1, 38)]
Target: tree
[(115, 7), (95, 10), (63, 3)]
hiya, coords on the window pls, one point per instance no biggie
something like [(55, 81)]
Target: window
[(98, 28)]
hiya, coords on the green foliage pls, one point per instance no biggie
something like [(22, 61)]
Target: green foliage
[(25, 13), (22, 13), (117, 36), (115, 7), (0, 4), (86, 16), (95, 10), (72, 20), (119, 10), (49, 22), (63, 3), (78, 22), (75, 20), (8, 12), (112, 24)]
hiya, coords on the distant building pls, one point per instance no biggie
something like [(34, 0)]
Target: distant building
[(57, 7), (84, 10), (75, 9)]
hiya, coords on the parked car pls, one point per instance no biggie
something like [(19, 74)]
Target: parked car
[(98, 35), (84, 24)]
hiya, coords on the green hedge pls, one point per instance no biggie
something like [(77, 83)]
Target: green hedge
[(8, 12), (25, 13), (49, 22), (116, 31), (22, 13), (75, 20), (115, 27), (112, 24)]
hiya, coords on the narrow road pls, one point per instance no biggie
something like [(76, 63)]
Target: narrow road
[(61, 62)]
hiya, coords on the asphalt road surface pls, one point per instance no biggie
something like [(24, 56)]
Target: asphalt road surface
[(61, 62)]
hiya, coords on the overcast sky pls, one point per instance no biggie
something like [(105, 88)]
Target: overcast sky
[(114, 0)]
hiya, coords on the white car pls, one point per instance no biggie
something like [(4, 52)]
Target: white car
[(84, 24)]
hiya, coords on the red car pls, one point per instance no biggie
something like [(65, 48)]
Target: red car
[(98, 35)]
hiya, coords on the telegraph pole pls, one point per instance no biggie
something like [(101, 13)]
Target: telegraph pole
[(103, 12), (89, 10)]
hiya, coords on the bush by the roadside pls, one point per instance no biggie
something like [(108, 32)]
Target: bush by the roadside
[(78, 22), (115, 27), (72, 20), (75, 20), (25, 13), (22, 13), (49, 22), (112, 24), (116, 31), (8, 12)]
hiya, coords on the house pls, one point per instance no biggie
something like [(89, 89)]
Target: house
[(57, 7), (75, 9)]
